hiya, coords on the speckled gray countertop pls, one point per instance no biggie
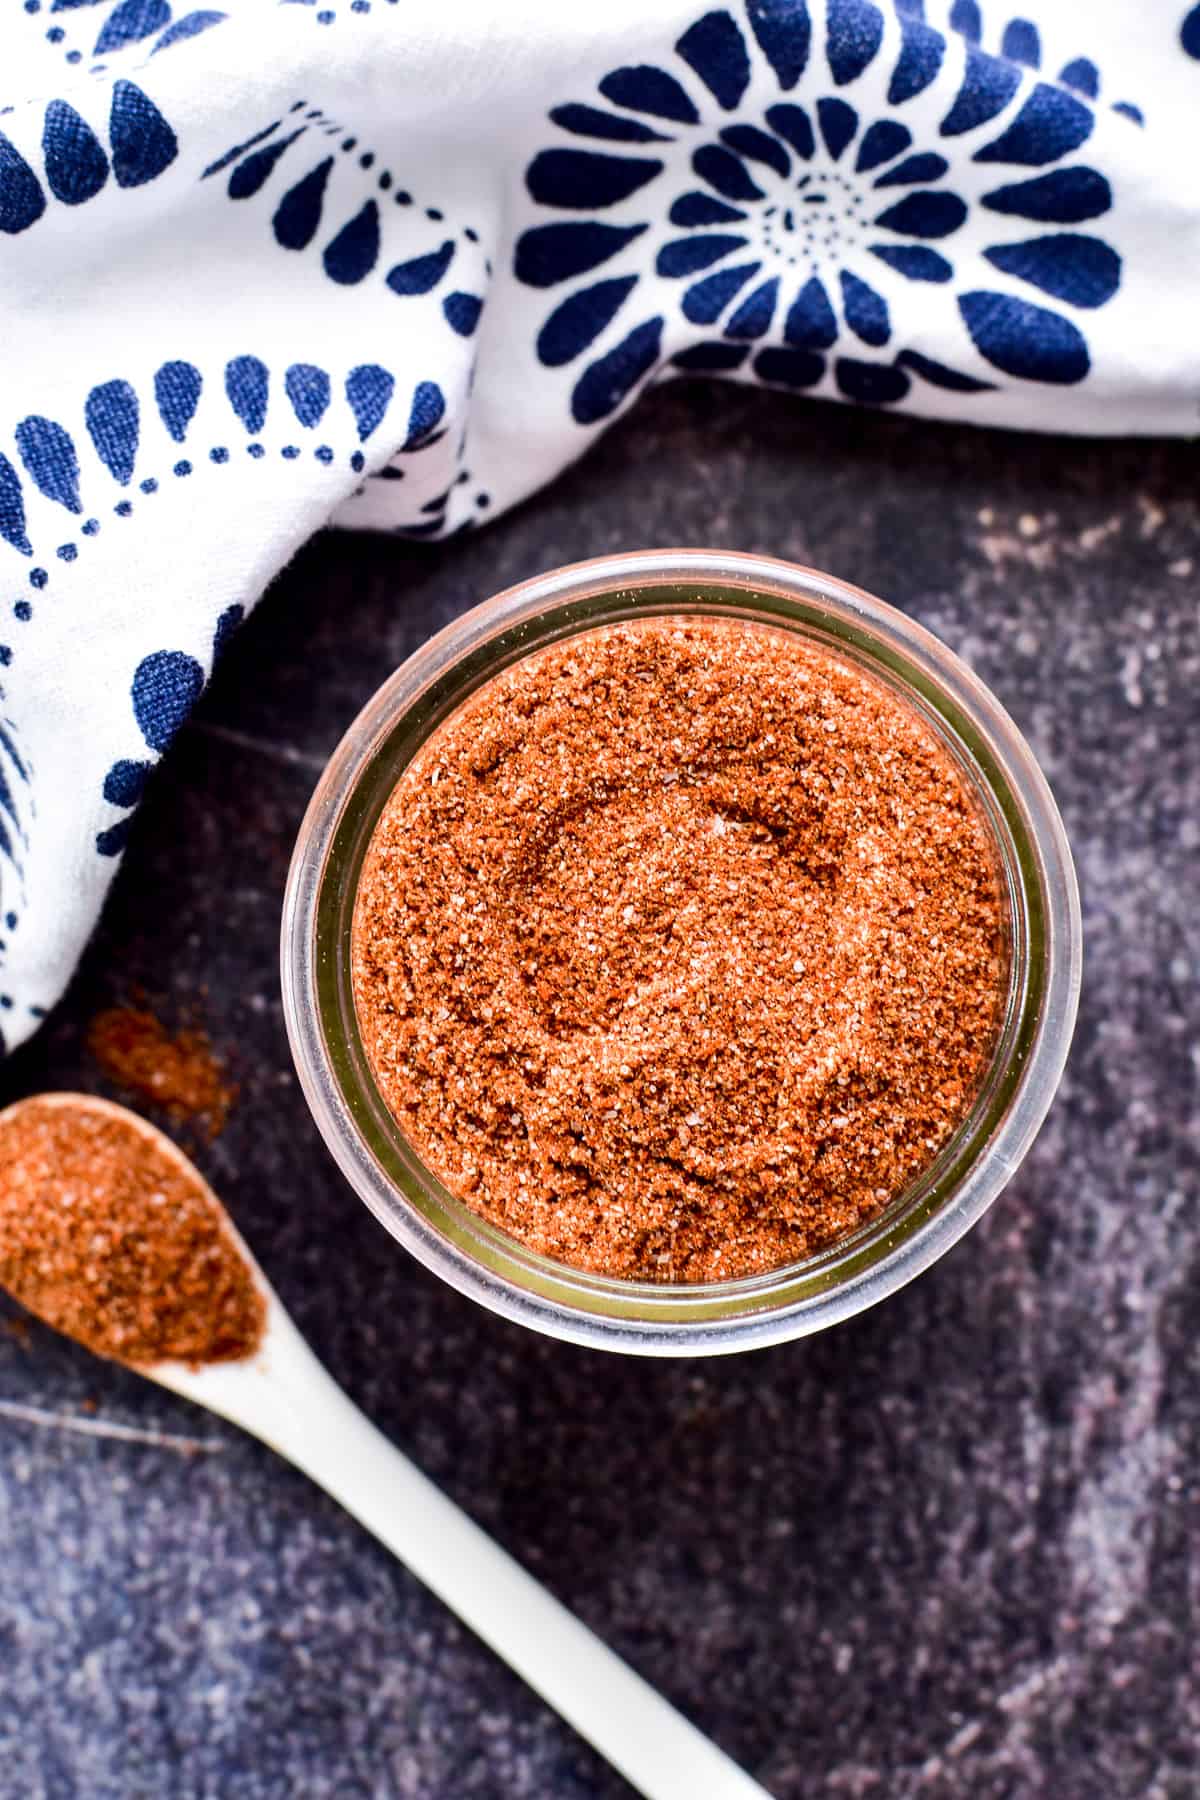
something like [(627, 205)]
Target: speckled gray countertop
[(948, 1550)]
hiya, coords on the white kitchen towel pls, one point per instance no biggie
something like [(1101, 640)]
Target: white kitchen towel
[(272, 262)]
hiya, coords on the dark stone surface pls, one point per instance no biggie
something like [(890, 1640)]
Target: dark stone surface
[(946, 1550)]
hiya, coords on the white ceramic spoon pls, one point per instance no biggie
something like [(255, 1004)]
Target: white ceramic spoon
[(284, 1396)]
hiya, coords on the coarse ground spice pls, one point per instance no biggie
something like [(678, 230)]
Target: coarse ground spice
[(181, 1074), (109, 1238), (679, 949)]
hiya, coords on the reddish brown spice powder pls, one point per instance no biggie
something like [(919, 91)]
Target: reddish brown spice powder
[(181, 1074), (109, 1238), (678, 949)]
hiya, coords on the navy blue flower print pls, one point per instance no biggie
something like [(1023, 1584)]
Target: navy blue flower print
[(303, 411), (1018, 40), (89, 33), (766, 188), (352, 238), (141, 146)]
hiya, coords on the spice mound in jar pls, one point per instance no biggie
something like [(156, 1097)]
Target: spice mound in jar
[(679, 949)]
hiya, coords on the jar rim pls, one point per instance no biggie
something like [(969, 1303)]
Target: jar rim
[(487, 1264)]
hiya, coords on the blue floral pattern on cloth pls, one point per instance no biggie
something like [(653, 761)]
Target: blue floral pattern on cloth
[(793, 208), (50, 455), (1019, 40), (402, 302), (89, 32), (166, 683), (351, 242), (77, 165)]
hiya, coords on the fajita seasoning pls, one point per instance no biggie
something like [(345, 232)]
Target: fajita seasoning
[(110, 1238), (679, 949)]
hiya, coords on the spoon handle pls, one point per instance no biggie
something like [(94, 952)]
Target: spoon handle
[(299, 1410)]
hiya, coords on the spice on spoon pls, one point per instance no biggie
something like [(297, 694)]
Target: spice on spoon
[(679, 949), (107, 1234)]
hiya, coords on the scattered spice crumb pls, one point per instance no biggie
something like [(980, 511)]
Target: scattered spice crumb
[(678, 949), (181, 1074), (18, 1329), (1000, 547), (109, 1237), (1096, 535)]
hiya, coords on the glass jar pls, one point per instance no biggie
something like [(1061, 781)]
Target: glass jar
[(919, 1225)]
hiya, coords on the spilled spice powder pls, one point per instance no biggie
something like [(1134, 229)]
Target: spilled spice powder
[(109, 1238), (181, 1073), (679, 949)]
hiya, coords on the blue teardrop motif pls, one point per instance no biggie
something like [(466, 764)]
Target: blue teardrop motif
[(839, 122), (853, 34), (759, 146), (549, 254), (706, 300), (1049, 125), (369, 392), (1063, 197), (125, 782), (188, 27), (12, 509), (753, 317), (143, 144), (694, 208), (308, 389), (131, 21), (716, 50), (881, 141), (165, 687), (579, 179), (1023, 340), (592, 121), (421, 273), (251, 174), (176, 394), (866, 311), (76, 166), (602, 387), (111, 414), (48, 453), (298, 214), (22, 201), (811, 323), (725, 172), (580, 319), (354, 252), (246, 385), (425, 415), (687, 256), (793, 124), (647, 89), (462, 311), (1084, 271), (784, 35)]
